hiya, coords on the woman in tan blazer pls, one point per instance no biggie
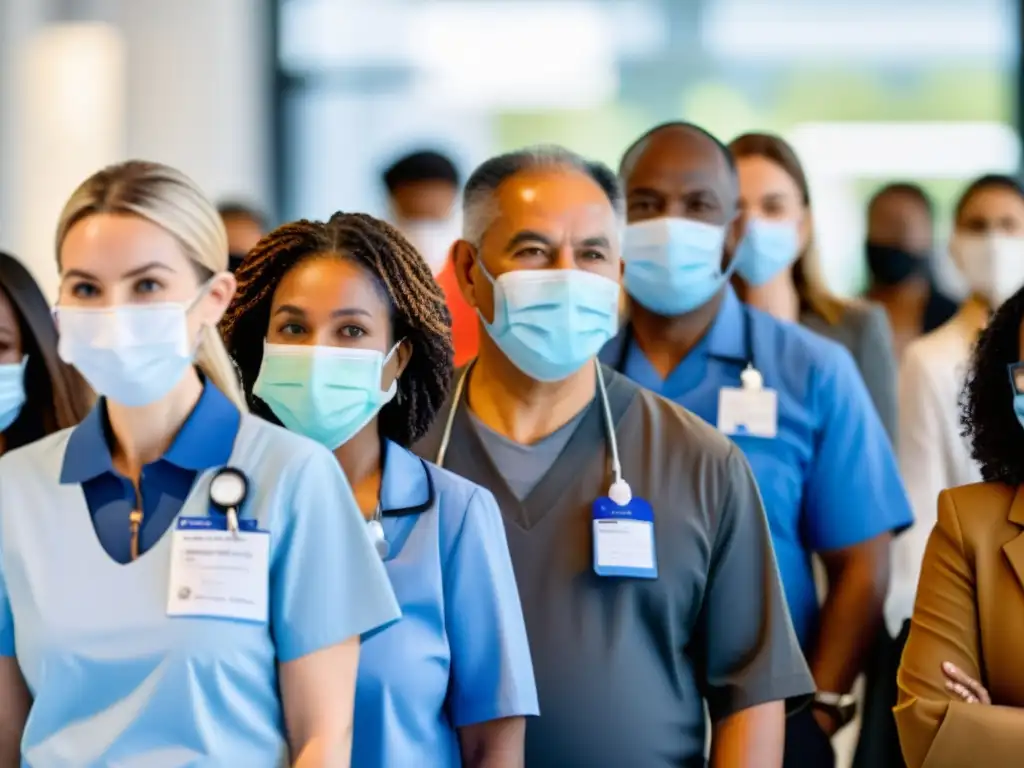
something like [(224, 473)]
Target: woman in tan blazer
[(961, 680)]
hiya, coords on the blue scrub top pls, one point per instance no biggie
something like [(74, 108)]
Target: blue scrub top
[(460, 654), (114, 679), (829, 478)]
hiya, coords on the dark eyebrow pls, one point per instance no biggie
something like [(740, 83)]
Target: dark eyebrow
[(527, 236), (598, 241), (290, 309)]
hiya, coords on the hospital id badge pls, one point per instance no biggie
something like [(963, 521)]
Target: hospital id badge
[(748, 411), (219, 574), (624, 539)]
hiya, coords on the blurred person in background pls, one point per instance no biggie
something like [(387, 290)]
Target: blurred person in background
[(777, 270), (629, 641), (245, 225), (987, 246), (961, 683), (39, 393), (341, 334), (423, 188), (899, 249), (792, 400), (134, 652)]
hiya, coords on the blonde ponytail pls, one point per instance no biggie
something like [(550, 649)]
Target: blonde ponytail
[(213, 360)]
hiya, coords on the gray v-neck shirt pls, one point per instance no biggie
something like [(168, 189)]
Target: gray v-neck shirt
[(624, 666), (523, 466)]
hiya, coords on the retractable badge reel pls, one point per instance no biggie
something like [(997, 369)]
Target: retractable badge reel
[(623, 523), (228, 490)]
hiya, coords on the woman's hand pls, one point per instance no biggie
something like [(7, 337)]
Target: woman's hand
[(965, 688)]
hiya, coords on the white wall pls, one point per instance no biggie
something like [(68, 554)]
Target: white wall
[(183, 82)]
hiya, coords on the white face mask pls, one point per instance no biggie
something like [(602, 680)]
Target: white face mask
[(432, 238), (993, 265), (133, 354)]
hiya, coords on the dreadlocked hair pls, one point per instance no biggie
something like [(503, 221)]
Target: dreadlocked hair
[(419, 314)]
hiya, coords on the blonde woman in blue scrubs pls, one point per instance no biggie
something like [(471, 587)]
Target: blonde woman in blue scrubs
[(341, 333), (140, 623)]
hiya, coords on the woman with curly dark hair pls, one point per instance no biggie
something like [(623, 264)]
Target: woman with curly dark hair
[(961, 683), (341, 333)]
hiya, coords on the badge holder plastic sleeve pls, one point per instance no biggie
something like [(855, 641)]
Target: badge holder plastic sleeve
[(637, 512)]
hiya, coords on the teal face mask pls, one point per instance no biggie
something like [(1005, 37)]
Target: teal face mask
[(327, 394)]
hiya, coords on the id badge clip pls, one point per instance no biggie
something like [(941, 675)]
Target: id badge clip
[(624, 539), (749, 410)]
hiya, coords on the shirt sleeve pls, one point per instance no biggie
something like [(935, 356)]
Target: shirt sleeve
[(854, 491), (745, 639), (492, 674), (327, 583)]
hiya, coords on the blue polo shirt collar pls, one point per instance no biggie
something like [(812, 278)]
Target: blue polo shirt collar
[(727, 337), (205, 440), (406, 487)]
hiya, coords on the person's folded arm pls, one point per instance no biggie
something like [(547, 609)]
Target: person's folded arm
[(935, 731)]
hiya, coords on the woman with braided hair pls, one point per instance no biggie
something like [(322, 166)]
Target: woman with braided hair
[(341, 333)]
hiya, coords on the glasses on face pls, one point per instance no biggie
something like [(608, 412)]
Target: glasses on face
[(1016, 371)]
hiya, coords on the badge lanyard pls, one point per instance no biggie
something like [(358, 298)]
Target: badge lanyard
[(619, 491)]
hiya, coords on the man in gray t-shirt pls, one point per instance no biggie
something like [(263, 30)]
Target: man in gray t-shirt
[(624, 665)]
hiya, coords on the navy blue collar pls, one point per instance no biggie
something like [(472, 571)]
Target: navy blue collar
[(728, 338), (407, 486), (205, 440)]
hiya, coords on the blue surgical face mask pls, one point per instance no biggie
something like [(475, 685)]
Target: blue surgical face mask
[(551, 322), (12, 392), (674, 266), (767, 248), (132, 354), (327, 394)]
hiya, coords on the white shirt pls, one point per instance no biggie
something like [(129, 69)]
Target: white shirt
[(932, 454)]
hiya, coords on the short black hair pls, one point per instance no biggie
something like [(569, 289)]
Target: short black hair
[(424, 165), (632, 149), (235, 209), (419, 314), (907, 189), (988, 181), (986, 403)]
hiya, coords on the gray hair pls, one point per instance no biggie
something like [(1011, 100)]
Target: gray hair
[(479, 206)]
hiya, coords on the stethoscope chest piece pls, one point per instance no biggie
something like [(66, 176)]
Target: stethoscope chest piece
[(228, 490)]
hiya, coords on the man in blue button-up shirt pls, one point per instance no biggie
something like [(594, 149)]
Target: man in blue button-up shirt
[(793, 401)]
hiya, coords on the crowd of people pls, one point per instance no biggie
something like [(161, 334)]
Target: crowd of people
[(559, 466)]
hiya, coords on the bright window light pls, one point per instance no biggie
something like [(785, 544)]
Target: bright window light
[(870, 31), (516, 55)]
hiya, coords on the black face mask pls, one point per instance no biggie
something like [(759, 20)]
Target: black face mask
[(891, 266)]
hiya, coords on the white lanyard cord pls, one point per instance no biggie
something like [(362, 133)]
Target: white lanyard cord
[(619, 492)]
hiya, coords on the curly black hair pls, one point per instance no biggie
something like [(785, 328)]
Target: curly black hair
[(986, 403), (419, 313)]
